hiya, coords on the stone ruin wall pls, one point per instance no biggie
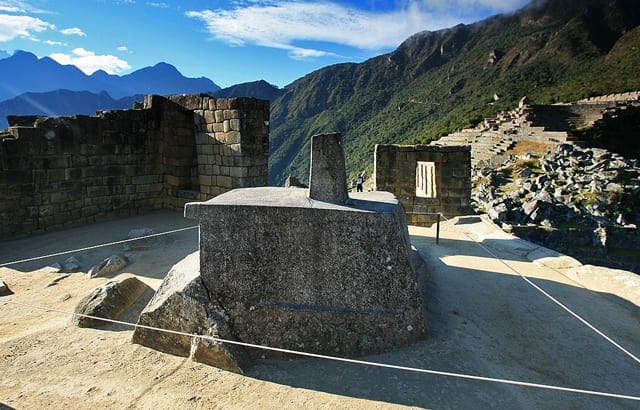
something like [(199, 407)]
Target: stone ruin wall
[(66, 171), (612, 98), (395, 170)]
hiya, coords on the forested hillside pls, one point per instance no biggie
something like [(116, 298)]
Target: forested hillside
[(437, 82)]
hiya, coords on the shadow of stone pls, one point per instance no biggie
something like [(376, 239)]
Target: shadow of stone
[(489, 324), (181, 243)]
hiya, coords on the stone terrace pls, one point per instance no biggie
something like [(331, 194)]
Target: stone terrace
[(549, 124)]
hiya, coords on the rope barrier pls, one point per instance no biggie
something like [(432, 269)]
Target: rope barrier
[(96, 246), (342, 359), (553, 299)]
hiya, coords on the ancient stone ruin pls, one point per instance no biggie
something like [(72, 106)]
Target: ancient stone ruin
[(312, 269), (426, 179), (66, 171), (580, 201)]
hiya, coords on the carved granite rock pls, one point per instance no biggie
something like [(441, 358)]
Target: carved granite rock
[(301, 274), (108, 301), (182, 304)]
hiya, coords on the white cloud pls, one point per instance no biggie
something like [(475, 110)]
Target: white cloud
[(123, 48), (89, 62), (160, 5), (19, 6), (10, 9), (284, 24), (55, 43), (21, 26), (73, 31)]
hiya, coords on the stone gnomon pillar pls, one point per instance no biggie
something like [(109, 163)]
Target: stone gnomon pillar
[(279, 267), (327, 173)]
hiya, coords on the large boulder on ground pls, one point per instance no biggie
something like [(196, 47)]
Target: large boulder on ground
[(183, 304), (108, 301)]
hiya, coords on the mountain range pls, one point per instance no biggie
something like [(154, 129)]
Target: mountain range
[(67, 102), (438, 82), (432, 84), (41, 86), (24, 72)]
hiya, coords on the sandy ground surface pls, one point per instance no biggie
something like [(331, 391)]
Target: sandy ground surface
[(483, 320)]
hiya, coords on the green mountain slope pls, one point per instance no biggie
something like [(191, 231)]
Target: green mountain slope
[(437, 82)]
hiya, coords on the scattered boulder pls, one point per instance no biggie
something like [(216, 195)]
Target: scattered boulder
[(110, 265), (143, 243), (108, 301), (580, 201), (71, 264)]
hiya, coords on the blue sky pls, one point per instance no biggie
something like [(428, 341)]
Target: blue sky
[(229, 42)]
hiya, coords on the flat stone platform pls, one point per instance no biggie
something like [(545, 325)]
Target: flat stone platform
[(377, 201)]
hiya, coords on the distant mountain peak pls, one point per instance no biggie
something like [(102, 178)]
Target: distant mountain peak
[(24, 72), (22, 55)]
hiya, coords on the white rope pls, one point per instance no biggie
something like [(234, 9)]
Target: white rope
[(97, 246), (553, 299), (341, 359)]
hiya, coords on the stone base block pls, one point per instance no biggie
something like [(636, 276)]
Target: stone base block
[(301, 274)]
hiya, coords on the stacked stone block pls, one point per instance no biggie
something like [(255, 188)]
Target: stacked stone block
[(66, 171), (232, 142), (395, 171), (71, 171)]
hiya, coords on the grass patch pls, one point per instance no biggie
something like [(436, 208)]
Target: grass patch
[(530, 147)]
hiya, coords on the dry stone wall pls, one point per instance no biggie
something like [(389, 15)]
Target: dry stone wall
[(395, 170), (232, 142), (65, 171)]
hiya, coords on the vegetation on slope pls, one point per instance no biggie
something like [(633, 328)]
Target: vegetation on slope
[(437, 82)]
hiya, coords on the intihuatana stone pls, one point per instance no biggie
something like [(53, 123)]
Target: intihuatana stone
[(310, 275), (312, 270), (327, 176)]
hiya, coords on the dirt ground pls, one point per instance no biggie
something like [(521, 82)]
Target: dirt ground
[(46, 361), (483, 320)]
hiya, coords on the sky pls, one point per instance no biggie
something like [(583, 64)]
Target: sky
[(229, 42)]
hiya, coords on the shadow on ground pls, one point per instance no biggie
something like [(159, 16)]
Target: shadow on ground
[(180, 244), (484, 320)]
